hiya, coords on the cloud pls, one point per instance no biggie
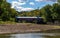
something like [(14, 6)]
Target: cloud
[(31, 3), (24, 9), (18, 5), (46, 0), (39, 0), (22, 0), (15, 4), (27, 9)]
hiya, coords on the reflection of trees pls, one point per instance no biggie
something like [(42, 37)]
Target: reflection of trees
[(52, 37), (4, 36)]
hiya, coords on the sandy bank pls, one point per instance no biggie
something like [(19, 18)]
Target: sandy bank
[(25, 28)]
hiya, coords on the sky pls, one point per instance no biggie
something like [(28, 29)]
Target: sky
[(28, 5)]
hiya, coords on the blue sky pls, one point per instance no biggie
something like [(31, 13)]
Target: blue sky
[(27, 5)]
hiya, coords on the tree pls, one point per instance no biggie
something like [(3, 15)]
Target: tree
[(58, 1), (56, 11), (46, 12), (6, 12)]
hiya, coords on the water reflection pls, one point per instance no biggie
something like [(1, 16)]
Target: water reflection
[(31, 35), (4, 36), (52, 37)]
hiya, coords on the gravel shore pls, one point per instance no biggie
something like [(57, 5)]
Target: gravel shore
[(25, 28)]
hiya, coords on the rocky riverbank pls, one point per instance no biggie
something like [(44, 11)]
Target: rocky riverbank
[(25, 28)]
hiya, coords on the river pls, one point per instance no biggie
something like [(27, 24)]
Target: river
[(31, 35), (50, 34)]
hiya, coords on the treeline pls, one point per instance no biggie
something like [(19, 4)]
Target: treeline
[(6, 12), (50, 13)]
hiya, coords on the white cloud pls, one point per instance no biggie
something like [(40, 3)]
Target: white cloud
[(46, 0), (31, 3), (38, 0), (24, 9), (15, 4), (22, 0), (27, 9), (18, 5)]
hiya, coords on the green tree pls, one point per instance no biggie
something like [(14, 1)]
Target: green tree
[(56, 11), (6, 12), (58, 1), (46, 12)]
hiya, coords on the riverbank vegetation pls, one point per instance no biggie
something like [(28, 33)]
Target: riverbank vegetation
[(50, 13)]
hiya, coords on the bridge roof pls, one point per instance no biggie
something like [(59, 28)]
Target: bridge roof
[(29, 17)]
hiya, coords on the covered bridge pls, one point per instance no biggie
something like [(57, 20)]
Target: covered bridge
[(30, 19)]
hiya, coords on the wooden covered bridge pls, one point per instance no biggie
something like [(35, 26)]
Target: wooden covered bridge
[(30, 19)]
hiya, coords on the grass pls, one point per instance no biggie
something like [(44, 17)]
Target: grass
[(56, 26), (7, 22)]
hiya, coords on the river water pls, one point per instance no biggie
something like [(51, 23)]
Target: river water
[(31, 35)]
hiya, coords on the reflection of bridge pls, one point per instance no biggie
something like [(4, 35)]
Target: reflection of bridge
[(30, 19)]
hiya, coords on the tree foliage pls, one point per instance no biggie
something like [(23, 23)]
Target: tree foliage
[(58, 1), (6, 12)]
